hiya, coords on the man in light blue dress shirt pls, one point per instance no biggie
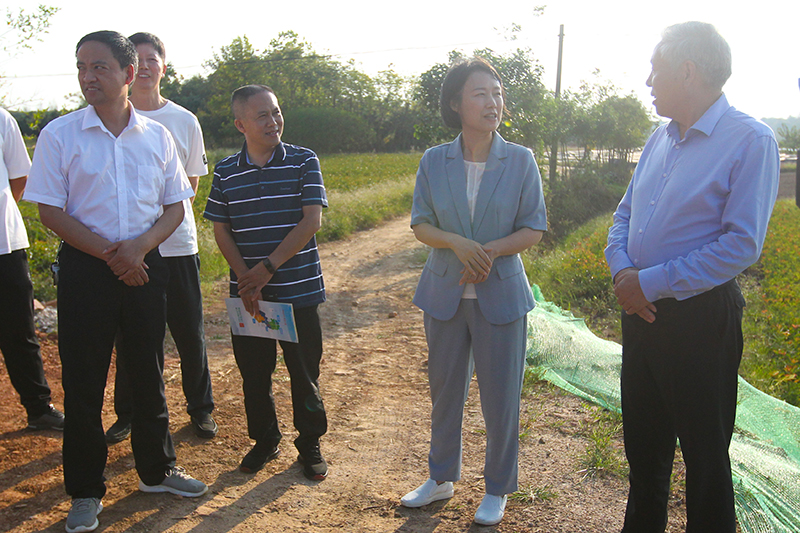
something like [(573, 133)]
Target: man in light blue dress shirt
[(694, 216)]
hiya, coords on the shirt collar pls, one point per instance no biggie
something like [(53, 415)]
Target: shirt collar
[(92, 120), (707, 122), (278, 155)]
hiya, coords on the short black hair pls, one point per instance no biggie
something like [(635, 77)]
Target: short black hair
[(121, 47), (243, 94), (453, 85), (144, 37)]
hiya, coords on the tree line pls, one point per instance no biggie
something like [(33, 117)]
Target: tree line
[(332, 107)]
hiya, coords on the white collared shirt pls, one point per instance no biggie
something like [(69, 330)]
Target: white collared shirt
[(115, 186), (188, 137), (14, 163)]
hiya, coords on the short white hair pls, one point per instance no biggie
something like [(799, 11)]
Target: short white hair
[(700, 43)]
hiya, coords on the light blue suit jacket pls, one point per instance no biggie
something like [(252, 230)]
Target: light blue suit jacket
[(509, 198)]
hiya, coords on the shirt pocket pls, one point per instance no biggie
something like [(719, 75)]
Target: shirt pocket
[(150, 184), (437, 264)]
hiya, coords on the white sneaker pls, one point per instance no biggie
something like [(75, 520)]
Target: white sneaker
[(428, 492), (491, 510)]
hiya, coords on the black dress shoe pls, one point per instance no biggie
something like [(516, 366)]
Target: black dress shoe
[(119, 431), (204, 426), (256, 458)]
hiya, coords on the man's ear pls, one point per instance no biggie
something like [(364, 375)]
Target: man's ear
[(130, 75), (688, 72), (238, 124)]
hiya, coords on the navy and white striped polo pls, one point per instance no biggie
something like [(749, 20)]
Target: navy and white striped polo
[(262, 205)]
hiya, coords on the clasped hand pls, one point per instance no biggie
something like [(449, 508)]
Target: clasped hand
[(250, 284), (126, 260), (476, 259), (630, 295)]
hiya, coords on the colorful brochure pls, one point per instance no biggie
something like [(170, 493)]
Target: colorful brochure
[(273, 320)]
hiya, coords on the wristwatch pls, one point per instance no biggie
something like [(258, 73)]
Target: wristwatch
[(268, 265)]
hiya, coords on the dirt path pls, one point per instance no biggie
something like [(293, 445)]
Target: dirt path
[(374, 385)]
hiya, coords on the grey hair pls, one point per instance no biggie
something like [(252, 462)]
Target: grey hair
[(700, 43)]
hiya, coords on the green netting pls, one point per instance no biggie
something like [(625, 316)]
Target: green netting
[(765, 451)]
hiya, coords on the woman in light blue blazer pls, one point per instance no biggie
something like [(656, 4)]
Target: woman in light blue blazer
[(478, 203)]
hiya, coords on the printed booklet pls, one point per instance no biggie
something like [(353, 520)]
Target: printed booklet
[(273, 320)]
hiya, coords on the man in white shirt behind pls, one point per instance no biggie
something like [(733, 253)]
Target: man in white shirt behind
[(180, 251), (18, 341), (101, 176)]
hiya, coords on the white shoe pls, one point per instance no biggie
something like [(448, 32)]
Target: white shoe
[(428, 492), (491, 510)]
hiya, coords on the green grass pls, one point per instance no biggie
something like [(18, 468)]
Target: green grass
[(574, 275), (350, 172), (772, 319), (602, 457), (529, 494), (364, 208)]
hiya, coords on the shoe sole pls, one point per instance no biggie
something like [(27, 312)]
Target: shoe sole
[(84, 529), (39, 427), (163, 488), (481, 523), (204, 434), (270, 457)]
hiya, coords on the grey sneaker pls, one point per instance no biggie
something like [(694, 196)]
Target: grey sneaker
[(52, 419), (83, 515), (177, 482)]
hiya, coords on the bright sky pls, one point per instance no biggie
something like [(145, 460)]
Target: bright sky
[(615, 36)]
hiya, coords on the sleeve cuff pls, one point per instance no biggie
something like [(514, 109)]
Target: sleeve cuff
[(653, 281)]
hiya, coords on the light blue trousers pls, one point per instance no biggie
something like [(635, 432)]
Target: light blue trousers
[(497, 354)]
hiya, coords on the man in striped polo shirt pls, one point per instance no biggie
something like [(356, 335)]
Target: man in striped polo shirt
[(266, 204)]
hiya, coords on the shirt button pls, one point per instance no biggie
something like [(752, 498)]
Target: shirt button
[(664, 175), (677, 147), (636, 261), (652, 202), (640, 232)]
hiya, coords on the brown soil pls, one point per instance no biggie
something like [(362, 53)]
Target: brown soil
[(375, 388)]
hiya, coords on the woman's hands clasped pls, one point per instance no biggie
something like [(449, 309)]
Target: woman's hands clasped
[(476, 258)]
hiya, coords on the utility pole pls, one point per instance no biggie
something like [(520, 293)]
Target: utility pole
[(554, 145)]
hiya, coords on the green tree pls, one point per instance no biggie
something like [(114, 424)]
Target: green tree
[(789, 137), (25, 26), (303, 80), (526, 99), (622, 126), (235, 65)]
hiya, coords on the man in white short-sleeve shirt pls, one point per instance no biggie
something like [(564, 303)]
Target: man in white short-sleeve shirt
[(18, 340), (180, 251), (101, 176)]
